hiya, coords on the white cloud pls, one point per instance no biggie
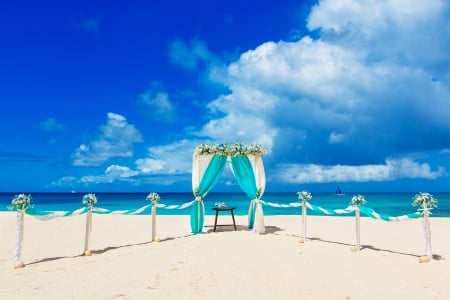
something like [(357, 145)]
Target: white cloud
[(165, 166), (112, 174), (239, 128), (391, 170), (391, 31), (360, 92), (65, 181), (116, 140), (372, 83), (157, 104), (150, 165), (336, 138), (175, 158), (191, 56)]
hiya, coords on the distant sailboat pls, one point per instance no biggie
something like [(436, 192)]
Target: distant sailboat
[(339, 192)]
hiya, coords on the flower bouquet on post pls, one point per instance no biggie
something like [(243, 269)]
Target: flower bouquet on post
[(154, 198), (89, 200), (20, 203), (427, 202), (356, 202), (304, 196)]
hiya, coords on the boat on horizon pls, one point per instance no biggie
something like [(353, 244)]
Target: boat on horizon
[(339, 192)]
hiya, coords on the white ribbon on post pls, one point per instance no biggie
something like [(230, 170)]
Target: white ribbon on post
[(427, 202), (304, 196), (154, 237), (303, 222), (358, 231), (87, 240), (356, 201), (18, 263), (427, 232)]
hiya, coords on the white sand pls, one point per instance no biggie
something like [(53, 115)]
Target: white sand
[(225, 264)]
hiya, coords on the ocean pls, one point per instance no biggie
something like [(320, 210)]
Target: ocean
[(392, 204)]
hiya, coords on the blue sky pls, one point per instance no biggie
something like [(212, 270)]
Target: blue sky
[(115, 95)]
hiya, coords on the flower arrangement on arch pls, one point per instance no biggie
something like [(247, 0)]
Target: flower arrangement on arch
[(358, 200), (89, 200), (230, 150), (20, 202), (304, 196), (154, 197), (424, 198)]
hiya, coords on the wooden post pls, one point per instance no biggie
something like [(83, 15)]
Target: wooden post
[(87, 240), (303, 239), (18, 263), (357, 223), (427, 232), (154, 237)]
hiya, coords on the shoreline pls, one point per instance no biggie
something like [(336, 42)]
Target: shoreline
[(125, 264)]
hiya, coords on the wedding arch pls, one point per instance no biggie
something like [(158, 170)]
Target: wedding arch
[(209, 160)]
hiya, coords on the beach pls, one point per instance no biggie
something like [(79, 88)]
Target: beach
[(226, 264)]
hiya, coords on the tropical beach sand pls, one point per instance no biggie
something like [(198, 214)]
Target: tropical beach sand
[(226, 264)]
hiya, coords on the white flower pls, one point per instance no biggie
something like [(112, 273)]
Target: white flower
[(424, 198), (21, 202), (358, 200), (229, 150), (89, 200), (304, 195), (154, 197)]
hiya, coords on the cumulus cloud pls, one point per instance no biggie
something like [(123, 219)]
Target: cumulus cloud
[(175, 158), (157, 104), (368, 86), (112, 174), (116, 140), (391, 170), (370, 83), (65, 181), (163, 165), (190, 56)]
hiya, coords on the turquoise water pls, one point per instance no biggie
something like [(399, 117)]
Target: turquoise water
[(393, 204)]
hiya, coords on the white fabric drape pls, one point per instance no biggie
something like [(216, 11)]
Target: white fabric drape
[(258, 170), (199, 165), (260, 179)]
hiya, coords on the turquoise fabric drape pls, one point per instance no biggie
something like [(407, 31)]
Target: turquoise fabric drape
[(208, 181), (243, 172), (245, 177)]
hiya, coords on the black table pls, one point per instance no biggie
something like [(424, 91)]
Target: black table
[(220, 209)]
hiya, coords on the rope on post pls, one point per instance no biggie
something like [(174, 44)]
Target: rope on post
[(304, 196), (89, 200), (87, 238), (18, 262), (427, 203), (20, 203), (154, 198), (357, 201)]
